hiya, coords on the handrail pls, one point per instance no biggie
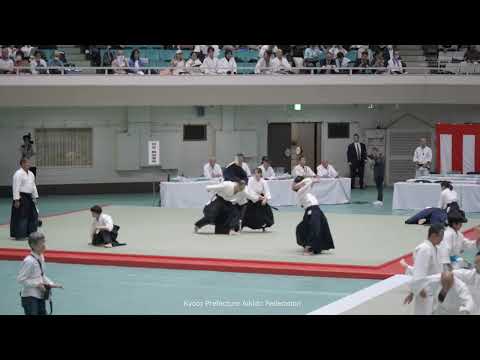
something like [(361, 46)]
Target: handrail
[(455, 68)]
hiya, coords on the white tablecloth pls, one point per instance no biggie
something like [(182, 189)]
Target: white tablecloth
[(419, 196), (195, 195)]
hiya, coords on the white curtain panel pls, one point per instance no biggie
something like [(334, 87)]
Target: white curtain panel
[(468, 153), (445, 153)]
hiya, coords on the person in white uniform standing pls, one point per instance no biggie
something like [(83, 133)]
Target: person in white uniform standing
[(211, 169), (302, 169), (325, 170), (470, 277), (426, 262), (258, 215), (422, 159)]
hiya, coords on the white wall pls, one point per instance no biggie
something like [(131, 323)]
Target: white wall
[(165, 123)]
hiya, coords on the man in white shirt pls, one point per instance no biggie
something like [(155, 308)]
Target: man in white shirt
[(210, 63), (267, 170), (36, 285), (302, 169), (395, 64), (6, 64), (37, 64), (103, 232), (422, 159), (212, 170), (193, 64), (280, 64), (426, 262), (227, 65), (24, 216), (326, 170)]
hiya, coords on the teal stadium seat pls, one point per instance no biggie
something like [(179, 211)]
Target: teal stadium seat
[(352, 55)]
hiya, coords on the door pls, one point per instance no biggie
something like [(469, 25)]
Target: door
[(279, 141)]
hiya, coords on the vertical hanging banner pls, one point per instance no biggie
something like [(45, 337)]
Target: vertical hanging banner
[(459, 148), (154, 153)]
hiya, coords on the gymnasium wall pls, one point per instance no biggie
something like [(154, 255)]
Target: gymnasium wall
[(166, 123)]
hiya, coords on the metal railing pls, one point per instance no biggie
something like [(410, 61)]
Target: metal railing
[(451, 68)]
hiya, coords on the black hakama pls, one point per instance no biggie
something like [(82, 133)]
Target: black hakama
[(24, 220), (104, 237), (235, 172), (221, 213), (257, 216), (314, 231)]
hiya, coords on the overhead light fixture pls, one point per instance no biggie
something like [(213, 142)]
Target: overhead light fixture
[(297, 107)]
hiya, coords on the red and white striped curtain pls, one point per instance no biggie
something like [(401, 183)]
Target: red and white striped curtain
[(458, 148)]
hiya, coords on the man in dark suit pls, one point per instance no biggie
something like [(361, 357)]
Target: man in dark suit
[(356, 157)]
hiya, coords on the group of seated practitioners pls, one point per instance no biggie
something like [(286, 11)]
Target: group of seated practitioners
[(438, 215), (324, 170)]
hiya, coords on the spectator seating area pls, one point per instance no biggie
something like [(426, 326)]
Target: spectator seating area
[(454, 59)]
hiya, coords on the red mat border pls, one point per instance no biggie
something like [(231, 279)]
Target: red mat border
[(379, 272)]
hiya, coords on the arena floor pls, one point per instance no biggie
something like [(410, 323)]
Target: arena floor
[(366, 238)]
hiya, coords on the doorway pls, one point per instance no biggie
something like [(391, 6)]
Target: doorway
[(284, 138)]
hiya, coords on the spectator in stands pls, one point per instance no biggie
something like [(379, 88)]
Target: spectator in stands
[(108, 58), (328, 64), (472, 54), (379, 62), (341, 62), (264, 64), (6, 64), (193, 64), (120, 64), (387, 54), (135, 63), (263, 48), (311, 56), (227, 65), (22, 62), (178, 64), (204, 50), (55, 62), (395, 64), (363, 63), (335, 49), (209, 65), (38, 63), (26, 49), (280, 65)]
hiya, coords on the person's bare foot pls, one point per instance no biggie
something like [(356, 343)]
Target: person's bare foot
[(422, 221), (107, 246), (403, 263), (195, 229)]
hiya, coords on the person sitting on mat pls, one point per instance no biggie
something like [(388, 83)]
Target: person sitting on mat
[(313, 232), (224, 210), (258, 215), (104, 232)]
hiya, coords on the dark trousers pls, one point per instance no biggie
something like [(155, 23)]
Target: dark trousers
[(379, 184), (33, 306), (357, 169), (103, 237), (23, 220)]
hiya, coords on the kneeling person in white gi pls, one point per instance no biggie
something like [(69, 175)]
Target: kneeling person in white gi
[(103, 231)]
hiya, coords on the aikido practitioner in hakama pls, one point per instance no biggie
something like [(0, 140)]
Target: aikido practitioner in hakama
[(313, 233), (103, 231), (224, 211), (258, 215), (24, 215)]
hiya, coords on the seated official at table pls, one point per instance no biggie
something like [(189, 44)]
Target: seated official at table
[(267, 170), (302, 169), (211, 169), (325, 170)]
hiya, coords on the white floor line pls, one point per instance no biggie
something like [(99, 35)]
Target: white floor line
[(355, 299)]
